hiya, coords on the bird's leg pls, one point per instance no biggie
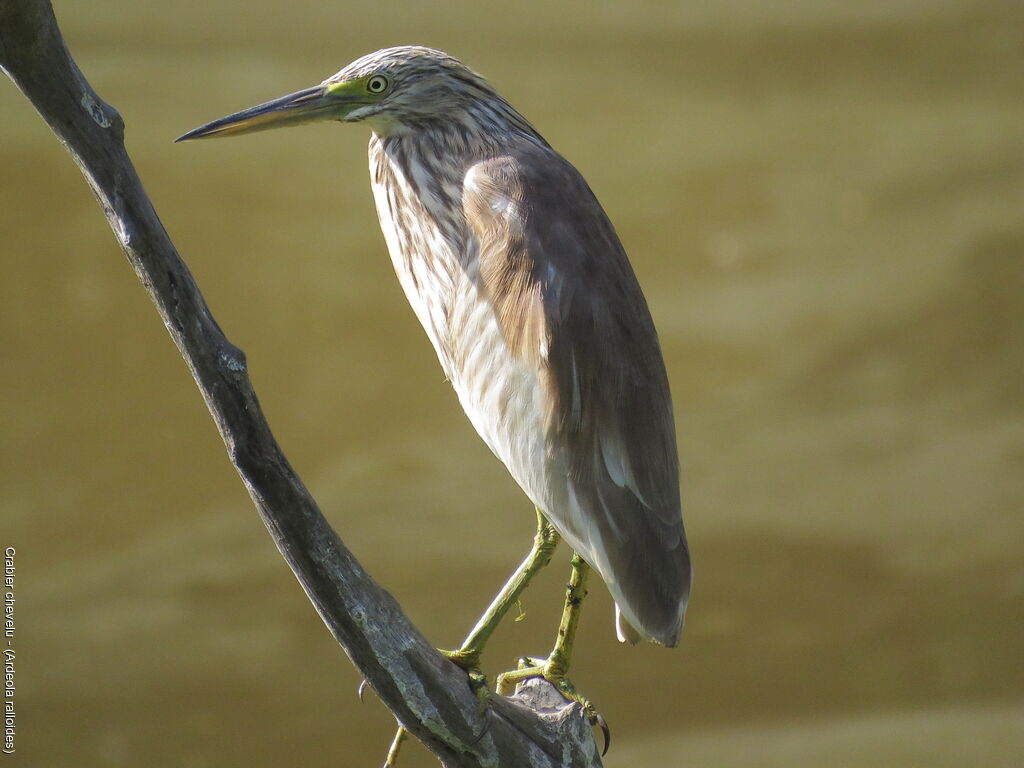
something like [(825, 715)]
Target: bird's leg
[(392, 759), (544, 543), (556, 666), (468, 655), (575, 591)]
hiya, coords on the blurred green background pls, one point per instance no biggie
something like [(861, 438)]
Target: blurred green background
[(825, 205)]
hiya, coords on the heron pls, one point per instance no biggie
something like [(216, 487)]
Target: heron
[(525, 291)]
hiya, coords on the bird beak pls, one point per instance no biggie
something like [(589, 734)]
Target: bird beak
[(317, 103)]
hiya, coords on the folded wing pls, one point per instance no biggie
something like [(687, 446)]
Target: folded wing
[(569, 304)]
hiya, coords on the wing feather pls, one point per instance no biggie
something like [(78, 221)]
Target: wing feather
[(568, 302)]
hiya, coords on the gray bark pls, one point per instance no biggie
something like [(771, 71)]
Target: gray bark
[(427, 693)]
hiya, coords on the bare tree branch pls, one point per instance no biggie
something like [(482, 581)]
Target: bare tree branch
[(428, 694)]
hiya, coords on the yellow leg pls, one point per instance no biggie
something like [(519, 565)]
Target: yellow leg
[(396, 744), (544, 543), (556, 666), (468, 655)]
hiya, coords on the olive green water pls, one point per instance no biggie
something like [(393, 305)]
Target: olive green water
[(825, 204)]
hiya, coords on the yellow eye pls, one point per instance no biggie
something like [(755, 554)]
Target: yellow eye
[(377, 84)]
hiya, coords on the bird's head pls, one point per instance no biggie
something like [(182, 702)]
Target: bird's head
[(394, 90)]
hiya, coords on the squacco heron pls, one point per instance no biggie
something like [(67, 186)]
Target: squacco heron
[(522, 286)]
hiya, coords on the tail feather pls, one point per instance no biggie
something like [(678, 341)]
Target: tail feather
[(651, 592), (625, 631), (644, 561)]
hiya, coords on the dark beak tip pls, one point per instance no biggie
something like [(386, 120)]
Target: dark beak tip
[(193, 134)]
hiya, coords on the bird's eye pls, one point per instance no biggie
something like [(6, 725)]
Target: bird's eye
[(377, 84)]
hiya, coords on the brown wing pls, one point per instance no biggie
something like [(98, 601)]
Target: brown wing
[(568, 301)]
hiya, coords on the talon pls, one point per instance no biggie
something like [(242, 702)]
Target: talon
[(599, 720), (362, 689), (483, 731)]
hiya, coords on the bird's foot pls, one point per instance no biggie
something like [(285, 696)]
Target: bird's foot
[(530, 667), (469, 660)]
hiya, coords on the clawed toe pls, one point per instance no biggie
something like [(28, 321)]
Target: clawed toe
[(530, 667), (598, 719), (468, 660)]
